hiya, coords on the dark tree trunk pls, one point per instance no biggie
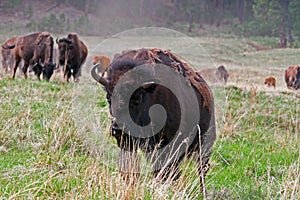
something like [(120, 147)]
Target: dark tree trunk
[(175, 10), (87, 6), (191, 21), (240, 7), (289, 24), (284, 23), (201, 19), (141, 8)]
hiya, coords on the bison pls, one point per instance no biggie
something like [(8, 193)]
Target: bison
[(7, 54), (292, 77), (44, 54), (72, 55), (34, 49), (214, 75), (222, 74), (151, 93), (270, 81)]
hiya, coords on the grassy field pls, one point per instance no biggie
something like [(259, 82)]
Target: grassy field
[(55, 143)]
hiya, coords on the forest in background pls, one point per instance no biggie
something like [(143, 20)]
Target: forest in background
[(268, 18)]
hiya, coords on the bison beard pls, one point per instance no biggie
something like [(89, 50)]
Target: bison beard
[(152, 93)]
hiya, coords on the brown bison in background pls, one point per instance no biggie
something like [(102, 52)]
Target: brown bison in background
[(213, 75), (292, 77), (35, 49), (7, 54), (270, 81), (152, 93), (72, 54), (222, 74), (103, 63)]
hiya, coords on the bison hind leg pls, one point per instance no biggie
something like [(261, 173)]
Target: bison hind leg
[(167, 173), (15, 67), (202, 170), (5, 66), (24, 69)]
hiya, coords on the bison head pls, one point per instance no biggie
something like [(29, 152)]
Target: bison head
[(64, 45), (46, 69)]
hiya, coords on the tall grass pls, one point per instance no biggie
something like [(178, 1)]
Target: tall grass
[(46, 154)]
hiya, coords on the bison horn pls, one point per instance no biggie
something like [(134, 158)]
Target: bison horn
[(148, 84), (98, 78), (57, 41)]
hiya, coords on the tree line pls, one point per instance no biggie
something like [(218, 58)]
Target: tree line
[(276, 18), (272, 18)]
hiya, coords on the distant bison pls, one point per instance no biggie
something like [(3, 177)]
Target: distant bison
[(72, 55), (213, 75), (152, 93), (222, 74), (34, 49), (292, 77), (7, 54), (270, 81), (103, 62)]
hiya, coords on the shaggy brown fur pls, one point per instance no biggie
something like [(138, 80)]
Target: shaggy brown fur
[(31, 48), (292, 77), (270, 81), (72, 55)]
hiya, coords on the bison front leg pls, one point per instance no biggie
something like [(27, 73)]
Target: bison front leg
[(75, 74), (128, 164), (202, 170), (167, 173), (67, 73)]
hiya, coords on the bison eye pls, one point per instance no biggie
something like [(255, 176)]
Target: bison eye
[(136, 99)]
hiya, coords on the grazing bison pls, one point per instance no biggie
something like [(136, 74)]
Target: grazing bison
[(214, 75), (222, 74), (72, 54), (7, 54), (103, 62), (270, 81), (151, 93), (292, 77), (44, 54), (34, 49)]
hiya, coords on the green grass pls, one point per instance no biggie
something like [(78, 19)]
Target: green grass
[(45, 155), (55, 143)]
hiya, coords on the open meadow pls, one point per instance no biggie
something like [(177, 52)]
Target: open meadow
[(55, 142)]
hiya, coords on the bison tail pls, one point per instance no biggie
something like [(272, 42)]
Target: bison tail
[(6, 46)]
